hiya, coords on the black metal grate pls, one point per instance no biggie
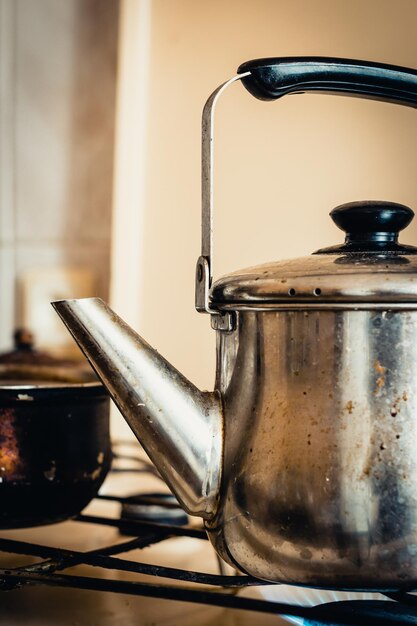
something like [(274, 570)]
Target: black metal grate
[(219, 590)]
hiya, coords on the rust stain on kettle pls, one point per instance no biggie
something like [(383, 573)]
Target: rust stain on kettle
[(396, 405), (380, 381), (349, 407)]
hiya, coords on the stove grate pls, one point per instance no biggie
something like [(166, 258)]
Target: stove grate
[(219, 590)]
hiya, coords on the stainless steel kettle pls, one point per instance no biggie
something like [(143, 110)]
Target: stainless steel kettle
[(303, 460)]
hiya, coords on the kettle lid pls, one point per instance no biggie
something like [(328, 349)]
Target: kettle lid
[(371, 268)]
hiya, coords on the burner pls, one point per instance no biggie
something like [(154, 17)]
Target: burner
[(374, 611), (159, 508)]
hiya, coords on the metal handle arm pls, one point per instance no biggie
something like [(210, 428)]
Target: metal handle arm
[(204, 270), (270, 79)]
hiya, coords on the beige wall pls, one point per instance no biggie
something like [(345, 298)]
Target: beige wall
[(57, 87), (280, 166)]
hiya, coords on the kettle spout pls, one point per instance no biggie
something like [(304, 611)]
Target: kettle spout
[(180, 427)]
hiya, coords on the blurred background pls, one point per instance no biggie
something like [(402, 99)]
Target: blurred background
[(100, 116)]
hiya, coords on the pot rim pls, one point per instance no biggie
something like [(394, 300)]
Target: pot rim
[(27, 394), (22, 377)]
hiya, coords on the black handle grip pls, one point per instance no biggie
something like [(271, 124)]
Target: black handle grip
[(270, 79)]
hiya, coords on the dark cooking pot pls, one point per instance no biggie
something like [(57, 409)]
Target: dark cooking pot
[(54, 438)]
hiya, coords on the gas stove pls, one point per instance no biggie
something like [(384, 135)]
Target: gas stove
[(139, 559)]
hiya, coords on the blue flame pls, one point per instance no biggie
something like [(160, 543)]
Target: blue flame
[(303, 596)]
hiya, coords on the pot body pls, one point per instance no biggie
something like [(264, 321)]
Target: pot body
[(320, 461), (54, 451)]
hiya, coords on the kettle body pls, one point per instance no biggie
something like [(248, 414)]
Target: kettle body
[(319, 479), (302, 460)]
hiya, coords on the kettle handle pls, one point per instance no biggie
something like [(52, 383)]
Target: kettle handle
[(270, 79)]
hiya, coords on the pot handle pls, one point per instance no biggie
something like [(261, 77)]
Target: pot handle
[(270, 79)]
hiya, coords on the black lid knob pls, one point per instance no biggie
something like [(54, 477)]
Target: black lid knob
[(371, 226), (372, 220)]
